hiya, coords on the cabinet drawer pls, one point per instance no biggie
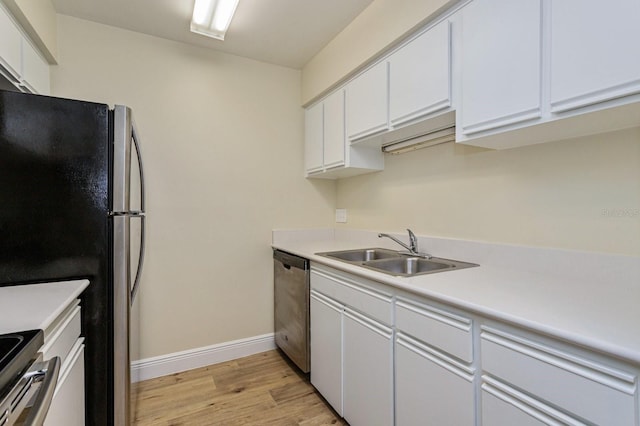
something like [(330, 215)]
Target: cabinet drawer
[(63, 336), (594, 391), (505, 406), (444, 330), (364, 299)]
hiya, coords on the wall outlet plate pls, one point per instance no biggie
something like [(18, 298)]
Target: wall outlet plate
[(341, 215)]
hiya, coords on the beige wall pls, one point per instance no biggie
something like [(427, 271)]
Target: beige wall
[(375, 29), (222, 141), (579, 194)]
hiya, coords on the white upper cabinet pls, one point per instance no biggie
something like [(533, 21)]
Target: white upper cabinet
[(513, 73), (535, 71), (334, 142), (327, 153), (313, 138), (35, 70), (20, 62), (367, 102), (420, 76), (590, 56), (10, 49), (501, 64)]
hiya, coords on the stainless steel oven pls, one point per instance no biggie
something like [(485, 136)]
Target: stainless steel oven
[(27, 383)]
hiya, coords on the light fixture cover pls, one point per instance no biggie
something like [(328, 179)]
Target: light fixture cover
[(211, 18)]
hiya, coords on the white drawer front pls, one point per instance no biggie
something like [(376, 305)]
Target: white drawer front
[(63, 337), (505, 406), (444, 330), (367, 300), (593, 391)]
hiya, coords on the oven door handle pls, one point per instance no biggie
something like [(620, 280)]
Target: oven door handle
[(49, 377)]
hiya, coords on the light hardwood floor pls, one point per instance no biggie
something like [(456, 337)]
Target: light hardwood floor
[(262, 389)]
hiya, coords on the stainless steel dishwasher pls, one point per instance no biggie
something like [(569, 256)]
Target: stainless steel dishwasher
[(291, 306)]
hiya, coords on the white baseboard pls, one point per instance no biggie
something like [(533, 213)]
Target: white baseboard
[(176, 362)]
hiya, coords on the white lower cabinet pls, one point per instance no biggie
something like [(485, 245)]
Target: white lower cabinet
[(431, 389), (505, 406), (67, 406), (367, 371), (352, 347), (326, 349), (382, 356), (435, 381), (583, 386), (62, 339)]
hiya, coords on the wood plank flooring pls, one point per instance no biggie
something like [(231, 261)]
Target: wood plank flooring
[(262, 389)]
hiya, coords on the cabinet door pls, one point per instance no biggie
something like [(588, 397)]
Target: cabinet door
[(10, 48), (420, 76), (367, 103), (501, 64), (67, 406), (590, 57), (429, 387), (35, 70), (367, 371), (313, 138), (334, 129), (326, 349)]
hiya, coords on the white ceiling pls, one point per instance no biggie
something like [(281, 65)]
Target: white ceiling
[(283, 32)]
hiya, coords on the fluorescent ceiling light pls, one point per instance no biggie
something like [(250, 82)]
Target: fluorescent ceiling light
[(211, 18), (430, 139)]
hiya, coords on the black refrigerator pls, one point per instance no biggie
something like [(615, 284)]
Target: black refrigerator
[(72, 206)]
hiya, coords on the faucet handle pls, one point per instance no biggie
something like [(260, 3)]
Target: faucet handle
[(413, 241)]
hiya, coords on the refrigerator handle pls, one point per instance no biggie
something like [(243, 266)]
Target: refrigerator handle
[(136, 282), (134, 136)]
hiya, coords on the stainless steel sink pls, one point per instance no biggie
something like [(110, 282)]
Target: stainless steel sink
[(408, 265), (362, 255), (395, 263)]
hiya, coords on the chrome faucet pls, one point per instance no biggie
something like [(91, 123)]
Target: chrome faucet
[(412, 248)]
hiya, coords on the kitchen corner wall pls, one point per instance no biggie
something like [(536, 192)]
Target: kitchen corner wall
[(222, 140)]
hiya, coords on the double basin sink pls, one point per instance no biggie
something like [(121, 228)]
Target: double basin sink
[(394, 262)]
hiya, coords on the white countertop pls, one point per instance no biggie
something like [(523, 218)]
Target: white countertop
[(589, 299), (36, 306)]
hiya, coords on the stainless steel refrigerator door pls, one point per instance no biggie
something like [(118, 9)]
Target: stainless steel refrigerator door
[(128, 254)]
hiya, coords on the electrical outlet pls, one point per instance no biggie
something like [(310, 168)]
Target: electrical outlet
[(341, 215)]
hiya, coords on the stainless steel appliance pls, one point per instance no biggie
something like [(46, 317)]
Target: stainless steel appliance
[(72, 196), (291, 307), (26, 382)]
